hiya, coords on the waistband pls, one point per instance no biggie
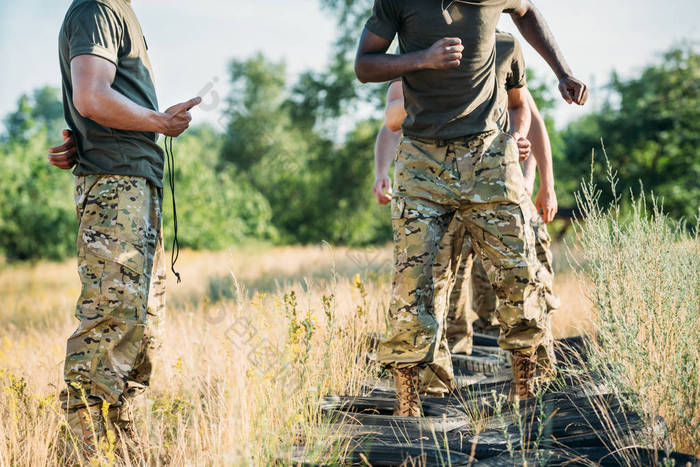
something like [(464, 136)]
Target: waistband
[(445, 142)]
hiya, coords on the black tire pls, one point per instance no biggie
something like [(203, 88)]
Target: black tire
[(488, 350), (499, 383), (485, 340), (569, 423), (588, 457), (371, 412), (384, 453), (480, 363), (384, 387), (535, 457), (467, 379), (638, 456)]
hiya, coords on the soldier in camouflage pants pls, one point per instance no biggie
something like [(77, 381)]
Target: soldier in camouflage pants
[(122, 302), (111, 108), (442, 194)]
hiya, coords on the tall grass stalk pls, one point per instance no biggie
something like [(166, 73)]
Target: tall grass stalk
[(641, 271)]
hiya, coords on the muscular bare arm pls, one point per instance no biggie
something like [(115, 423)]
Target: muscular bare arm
[(546, 200), (534, 29), (373, 64), (94, 98)]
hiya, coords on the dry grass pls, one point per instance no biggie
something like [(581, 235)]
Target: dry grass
[(243, 363)]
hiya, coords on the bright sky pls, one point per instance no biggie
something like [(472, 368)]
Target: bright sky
[(192, 42)]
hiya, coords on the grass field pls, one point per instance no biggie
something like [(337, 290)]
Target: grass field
[(253, 338), (243, 327)]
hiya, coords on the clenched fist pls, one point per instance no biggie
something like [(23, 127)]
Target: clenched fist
[(64, 156), (523, 146), (573, 90), (445, 53)]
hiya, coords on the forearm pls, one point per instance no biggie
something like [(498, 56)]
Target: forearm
[(536, 32), (110, 108), (385, 150), (520, 118), (381, 67), (542, 152), (529, 172)]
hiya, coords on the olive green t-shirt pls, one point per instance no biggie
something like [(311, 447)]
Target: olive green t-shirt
[(510, 73), (110, 29), (445, 104)]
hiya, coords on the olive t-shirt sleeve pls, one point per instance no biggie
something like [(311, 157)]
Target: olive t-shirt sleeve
[(516, 76), (94, 29), (384, 21)]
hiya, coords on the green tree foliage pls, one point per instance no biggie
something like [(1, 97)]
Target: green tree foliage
[(42, 110), (651, 130), (318, 190), (294, 164), (216, 209), (37, 213)]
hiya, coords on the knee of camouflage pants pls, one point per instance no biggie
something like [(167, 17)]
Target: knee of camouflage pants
[(119, 227), (485, 301)]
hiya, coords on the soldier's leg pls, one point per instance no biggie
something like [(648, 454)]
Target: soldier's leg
[(505, 244), (437, 379), (423, 206), (140, 376), (546, 359), (119, 221), (415, 332), (484, 301), (504, 240), (459, 326)]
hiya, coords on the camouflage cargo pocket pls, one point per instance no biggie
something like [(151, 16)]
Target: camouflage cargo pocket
[(122, 283), (497, 175)]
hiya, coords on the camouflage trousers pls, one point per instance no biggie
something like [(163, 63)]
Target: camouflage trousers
[(121, 266), (472, 291), (442, 194)]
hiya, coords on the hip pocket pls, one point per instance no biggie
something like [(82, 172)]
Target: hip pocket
[(113, 272), (497, 175)]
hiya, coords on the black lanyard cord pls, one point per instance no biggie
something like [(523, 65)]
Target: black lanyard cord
[(170, 160)]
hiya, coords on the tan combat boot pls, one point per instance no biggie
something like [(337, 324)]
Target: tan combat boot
[(524, 367), (546, 363), (407, 398)]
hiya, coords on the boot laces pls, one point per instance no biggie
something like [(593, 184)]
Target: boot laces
[(525, 366), (410, 391)]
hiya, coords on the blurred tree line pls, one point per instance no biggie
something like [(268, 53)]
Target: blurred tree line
[(292, 167)]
